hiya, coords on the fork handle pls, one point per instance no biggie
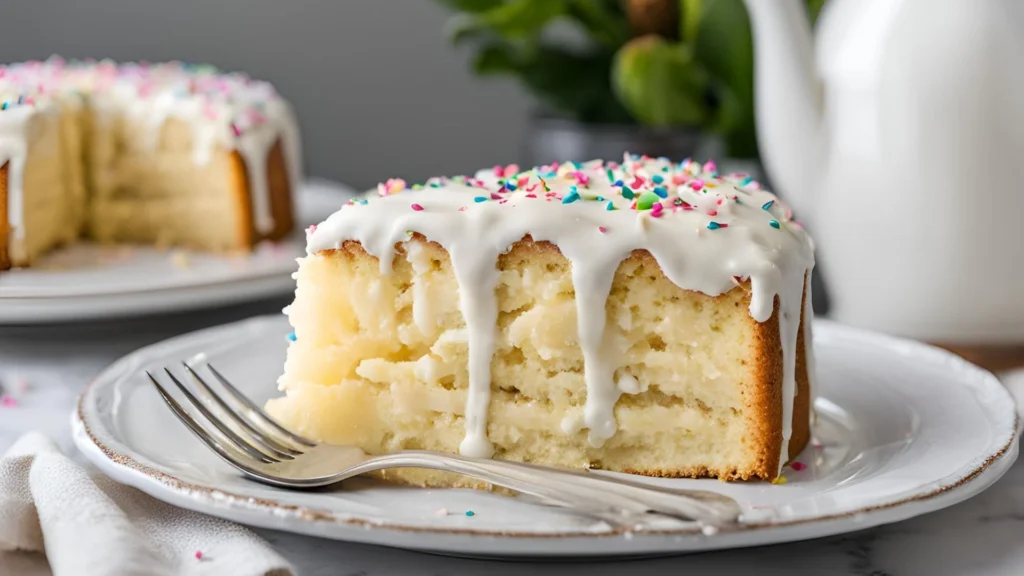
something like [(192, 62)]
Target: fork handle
[(617, 502)]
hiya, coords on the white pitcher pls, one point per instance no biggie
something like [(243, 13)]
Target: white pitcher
[(898, 134)]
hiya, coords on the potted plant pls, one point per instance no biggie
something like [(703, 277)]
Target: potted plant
[(660, 77)]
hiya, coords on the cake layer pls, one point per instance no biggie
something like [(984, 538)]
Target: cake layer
[(698, 377), (170, 154), (645, 317)]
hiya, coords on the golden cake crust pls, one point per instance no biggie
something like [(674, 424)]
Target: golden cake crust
[(762, 394)]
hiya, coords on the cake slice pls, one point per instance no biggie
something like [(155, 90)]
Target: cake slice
[(644, 317), (164, 154)]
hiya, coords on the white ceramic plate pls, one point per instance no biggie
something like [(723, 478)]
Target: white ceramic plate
[(904, 429), (86, 282)]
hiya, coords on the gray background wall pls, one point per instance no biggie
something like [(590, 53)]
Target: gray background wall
[(378, 91)]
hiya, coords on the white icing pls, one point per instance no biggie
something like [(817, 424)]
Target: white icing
[(710, 231), (224, 111)]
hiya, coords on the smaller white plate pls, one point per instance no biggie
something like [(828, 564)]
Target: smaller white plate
[(86, 281), (904, 429)]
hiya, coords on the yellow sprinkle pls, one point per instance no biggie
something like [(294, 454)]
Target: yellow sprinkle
[(780, 480)]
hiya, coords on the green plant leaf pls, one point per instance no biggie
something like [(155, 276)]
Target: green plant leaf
[(660, 83), (604, 20), (522, 18), (690, 12)]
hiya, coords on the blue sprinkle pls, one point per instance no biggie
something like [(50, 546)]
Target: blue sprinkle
[(774, 224), (571, 197), (470, 513), (618, 183), (3, 106), (510, 185), (661, 191), (609, 206), (292, 337), (746, 181), (714, 225), (600, 198), (479, 199), (657, 179), (364, 201), (767, 205)]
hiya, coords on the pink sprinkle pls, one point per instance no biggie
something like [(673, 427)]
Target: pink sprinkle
[(523, 180), (531, 189), (636, 183), (511, 170), (503, 201), (495, 196), (499, 171), (462, 209), (199, 555), (417, 207), (236, 130), (709, 166), (8, 401), (210, 112), (656, 210), (311, 229), (720, 200), (581, 178), (697, 184), (531, 195), (602, 229), (798, 466), (712, 212)]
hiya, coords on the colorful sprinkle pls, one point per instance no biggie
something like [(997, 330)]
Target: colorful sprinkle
[(609, 206), (470, 513), (657, 179), (798, 466), (767, 205), (602, 229), (199, 554), (779, 481), (774, 224), (8, 401), (661, 191), (417, 207), (646, 201), (571, 197), (292, 337), (480, 199), (715, 225)]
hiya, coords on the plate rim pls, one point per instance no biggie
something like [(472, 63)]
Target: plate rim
[(990, 467)]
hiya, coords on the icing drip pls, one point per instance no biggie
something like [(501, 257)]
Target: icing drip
[(809, 346), (706, 232), (224, 111)]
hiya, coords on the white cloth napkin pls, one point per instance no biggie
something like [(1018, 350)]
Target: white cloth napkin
[(89, 524)]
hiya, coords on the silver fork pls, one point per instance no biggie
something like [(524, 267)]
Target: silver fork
[(244, 436)]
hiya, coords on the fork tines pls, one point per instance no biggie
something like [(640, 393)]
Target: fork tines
[(238, 430)]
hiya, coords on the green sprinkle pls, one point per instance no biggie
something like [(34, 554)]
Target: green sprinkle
[(434, 185), (611, 176), (417, 186), (646, 200), (774, 224), (627, 193), (767, 205), (409, 232)]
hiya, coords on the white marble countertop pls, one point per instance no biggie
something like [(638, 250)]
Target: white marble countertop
[(983, 536)]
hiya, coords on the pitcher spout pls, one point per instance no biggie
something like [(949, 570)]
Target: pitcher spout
[(788, 102)]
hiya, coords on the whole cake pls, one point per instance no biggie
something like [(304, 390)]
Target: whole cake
[(646, 316), (165, 154)]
